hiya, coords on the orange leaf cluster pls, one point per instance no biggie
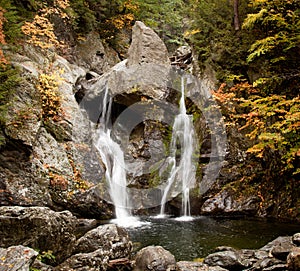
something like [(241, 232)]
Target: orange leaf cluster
[(3, 60)]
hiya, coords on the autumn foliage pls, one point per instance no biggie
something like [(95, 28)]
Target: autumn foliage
[(40, 31), (2, 37), (272, 123)]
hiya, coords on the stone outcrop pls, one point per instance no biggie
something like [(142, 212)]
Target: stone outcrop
[(146, 47), (224, 203), (49, 162), (39, 228)]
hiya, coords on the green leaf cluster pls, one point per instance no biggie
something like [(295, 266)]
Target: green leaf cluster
[(211, 33), (166, 17), (276, 48)]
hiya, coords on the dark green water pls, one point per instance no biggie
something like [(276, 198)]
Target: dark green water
[(196, 239)]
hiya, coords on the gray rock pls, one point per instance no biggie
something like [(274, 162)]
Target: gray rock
[(225, 259), (110, 238), (191, 266), (146, 46), (282, 250), (39, 228), (41, 266), (197, 266), (276, 267), (293, 259), (277, 242), (296, 239), (16, 258), (93, 261), (224, 203), (92, 54), (154, 258)]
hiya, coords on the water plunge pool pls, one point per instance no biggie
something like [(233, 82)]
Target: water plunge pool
[(188, 240)]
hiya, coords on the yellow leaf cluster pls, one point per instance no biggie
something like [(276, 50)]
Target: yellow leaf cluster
[(48, 87), (41, 31)]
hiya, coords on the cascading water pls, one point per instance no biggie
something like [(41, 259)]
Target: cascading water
[(113, 158), (184, 171)]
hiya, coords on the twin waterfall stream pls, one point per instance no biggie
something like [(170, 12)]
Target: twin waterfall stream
[(182, 170)]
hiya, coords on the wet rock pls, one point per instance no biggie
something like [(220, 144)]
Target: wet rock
[(225, 259), (39, 228), (110, 238), (146, 46), (293, 259), (296, 239), (16, 258), (154, 258)]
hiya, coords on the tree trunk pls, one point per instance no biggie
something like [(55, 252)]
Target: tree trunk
[(236, 15)]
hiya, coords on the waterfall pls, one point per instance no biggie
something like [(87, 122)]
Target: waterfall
[(113, 158), (182, 149)]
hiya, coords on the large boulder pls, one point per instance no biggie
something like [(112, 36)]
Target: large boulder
[(228, 259), (146, 46), (154, 258), (96, 260), (39, 228), (109, 237), (99, 249), (16, 258)]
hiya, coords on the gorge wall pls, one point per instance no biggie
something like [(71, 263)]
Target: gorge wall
[(51, 161)]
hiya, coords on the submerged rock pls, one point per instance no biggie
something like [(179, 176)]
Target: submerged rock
[(16, 258)]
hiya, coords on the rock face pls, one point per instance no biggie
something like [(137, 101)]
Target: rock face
[(39, 228), (49, 162), (224, 203), (146, 47), (16, 258), (154, 258)]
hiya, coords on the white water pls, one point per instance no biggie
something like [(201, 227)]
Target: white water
[(184, 171), (113, 158)]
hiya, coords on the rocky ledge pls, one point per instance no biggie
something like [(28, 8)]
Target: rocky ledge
[(37, 238)]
